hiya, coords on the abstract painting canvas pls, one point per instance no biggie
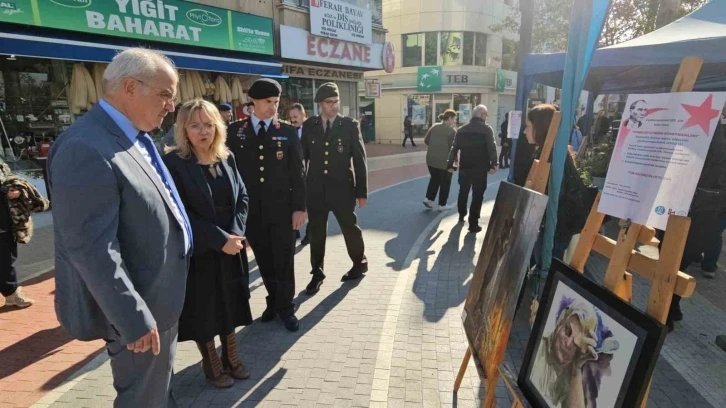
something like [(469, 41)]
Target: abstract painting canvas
[(588, 348), (499, 273)]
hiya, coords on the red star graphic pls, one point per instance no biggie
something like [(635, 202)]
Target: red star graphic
[(701, 115)]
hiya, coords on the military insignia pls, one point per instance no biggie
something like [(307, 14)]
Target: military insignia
[(340, 148), (279, 155)]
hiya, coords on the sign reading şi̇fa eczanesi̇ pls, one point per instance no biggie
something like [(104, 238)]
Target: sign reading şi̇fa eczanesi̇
[(171, 21), (340, 20)]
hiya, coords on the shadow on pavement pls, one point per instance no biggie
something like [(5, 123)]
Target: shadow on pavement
[(257, 344), (441, 286), (31, 349)]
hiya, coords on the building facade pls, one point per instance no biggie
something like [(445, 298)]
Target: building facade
[(328, 41), (446, 57), (42, 45)]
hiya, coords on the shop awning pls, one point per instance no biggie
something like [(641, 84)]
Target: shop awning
[(25, 45)]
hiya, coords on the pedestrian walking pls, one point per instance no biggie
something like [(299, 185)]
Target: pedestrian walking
[(216, 201), (505, 143), (439, 139), (18, 199), (475, 141), (337, 177), (297, 117), (270, 161), (225, 110), (408, 131), (122, 236)]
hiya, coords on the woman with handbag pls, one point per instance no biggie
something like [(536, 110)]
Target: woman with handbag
[(216, 201)]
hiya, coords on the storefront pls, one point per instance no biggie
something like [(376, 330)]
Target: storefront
[(311, 60), (43, 41), (424, 96)]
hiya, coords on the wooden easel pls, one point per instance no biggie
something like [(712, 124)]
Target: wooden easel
[(537, 179), (664, 274)]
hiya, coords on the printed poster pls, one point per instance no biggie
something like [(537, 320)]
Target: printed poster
[(515, 124), (659, 154), (419, 115), (464, 113)]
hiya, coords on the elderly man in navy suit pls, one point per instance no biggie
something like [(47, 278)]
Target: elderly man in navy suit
[(122, 237)]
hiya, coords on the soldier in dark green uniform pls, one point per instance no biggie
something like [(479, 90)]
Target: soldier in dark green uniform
[(269, 159), (337, 176)]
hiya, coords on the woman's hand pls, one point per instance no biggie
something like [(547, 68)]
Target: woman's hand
[(234, 245), (13, 194)]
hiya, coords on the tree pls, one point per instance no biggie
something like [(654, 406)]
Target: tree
[(628, 19)]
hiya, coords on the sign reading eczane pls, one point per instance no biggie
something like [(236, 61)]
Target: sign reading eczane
[(340, 20)]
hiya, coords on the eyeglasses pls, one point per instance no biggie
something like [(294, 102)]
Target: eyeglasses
[(332, 103), (167, 96), (197, 127)]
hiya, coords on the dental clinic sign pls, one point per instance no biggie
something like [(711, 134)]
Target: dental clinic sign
[(172, 21), (341, 21)]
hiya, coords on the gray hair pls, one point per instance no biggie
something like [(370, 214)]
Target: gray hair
[(476, 113), (140, 63)]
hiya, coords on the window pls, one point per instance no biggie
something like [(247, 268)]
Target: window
[(480, 55), (451, 48), (432, 49), (412, 50), (468, 57)]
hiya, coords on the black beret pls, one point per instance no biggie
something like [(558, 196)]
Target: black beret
[(326, 90), (264, 88)]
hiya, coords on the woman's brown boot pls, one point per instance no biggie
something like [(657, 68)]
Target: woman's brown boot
[(230, 360), (212, 366)]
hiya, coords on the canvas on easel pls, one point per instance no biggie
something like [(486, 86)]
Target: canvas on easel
[(666, 279)]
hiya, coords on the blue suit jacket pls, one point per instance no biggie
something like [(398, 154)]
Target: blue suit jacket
[(120, 263)]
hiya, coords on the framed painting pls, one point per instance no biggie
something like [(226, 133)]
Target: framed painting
[(588, 347), (499, 273)]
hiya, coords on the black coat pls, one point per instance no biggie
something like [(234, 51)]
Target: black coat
[(333, 179), (271, 167), (217, 292), (475, 140)]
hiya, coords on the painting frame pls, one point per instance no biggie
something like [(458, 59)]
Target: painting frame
[(612, 314), (491, 302)]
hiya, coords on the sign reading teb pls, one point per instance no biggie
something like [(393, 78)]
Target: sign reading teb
[(340, 20), (428, 79)]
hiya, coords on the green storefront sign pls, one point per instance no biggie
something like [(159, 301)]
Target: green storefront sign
[(428, 79), (170, 21)]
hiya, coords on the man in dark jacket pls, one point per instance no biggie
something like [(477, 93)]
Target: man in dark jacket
[(270, 162), (478, 157), (337, 176), (408, 131)]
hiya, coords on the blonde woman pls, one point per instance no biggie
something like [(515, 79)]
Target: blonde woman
[(215, 198)]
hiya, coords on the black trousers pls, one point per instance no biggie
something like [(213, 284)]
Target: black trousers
[(8, 256), (504, 156), (274, 247), (476, 181), (440, 183), (407, 136), (318, 230)]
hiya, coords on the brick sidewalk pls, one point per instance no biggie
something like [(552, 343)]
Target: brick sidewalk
[(35, 354), (395, 338)]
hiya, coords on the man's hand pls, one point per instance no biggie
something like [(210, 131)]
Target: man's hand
[(362, 202), (148, 341), (586, 344), (493, 170), (234, 245), (13, 194), (298, 219), (452, 170)]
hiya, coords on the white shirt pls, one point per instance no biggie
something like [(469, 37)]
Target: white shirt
[(256, 123), (299, 132)]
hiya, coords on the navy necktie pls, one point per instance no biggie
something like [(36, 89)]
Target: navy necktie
[(165, 177)]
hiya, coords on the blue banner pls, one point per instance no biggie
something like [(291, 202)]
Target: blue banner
[(586, 22)]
